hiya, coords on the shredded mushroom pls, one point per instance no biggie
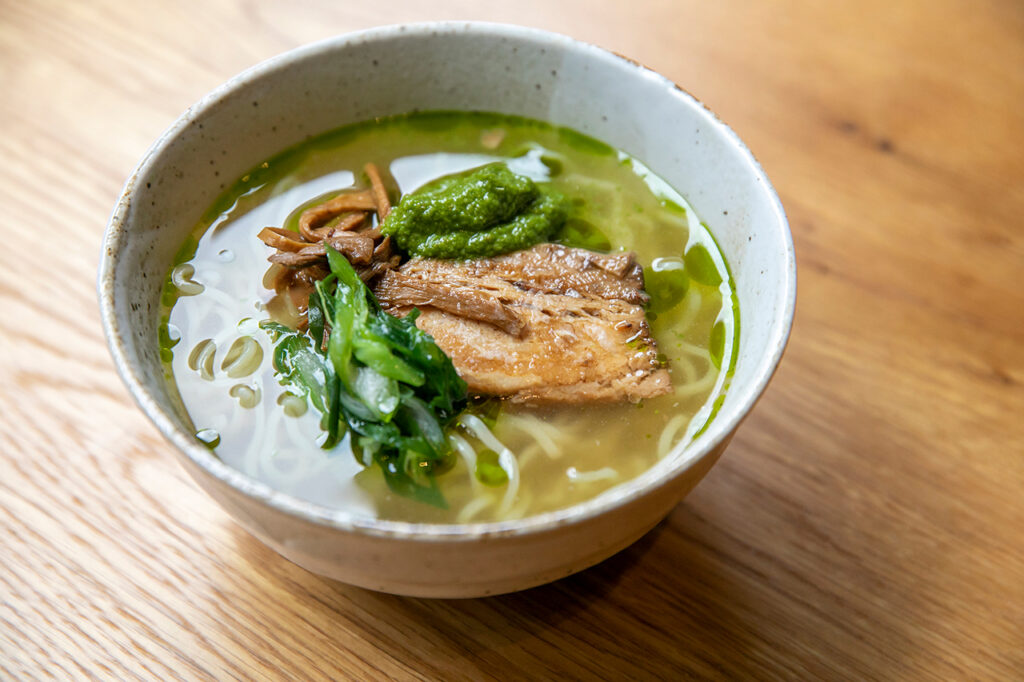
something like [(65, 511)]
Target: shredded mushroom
[(301, 257)]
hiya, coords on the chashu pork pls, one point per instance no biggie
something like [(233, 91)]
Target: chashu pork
[(544, 325)]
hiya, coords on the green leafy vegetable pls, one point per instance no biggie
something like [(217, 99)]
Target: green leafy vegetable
[(378, 376)]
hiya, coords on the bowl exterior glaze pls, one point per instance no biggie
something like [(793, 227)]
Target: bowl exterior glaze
[(461, 66), (453, 567)]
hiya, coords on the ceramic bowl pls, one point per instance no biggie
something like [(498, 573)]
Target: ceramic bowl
[(464, 66)]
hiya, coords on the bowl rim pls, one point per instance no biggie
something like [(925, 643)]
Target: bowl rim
[(675, 463)]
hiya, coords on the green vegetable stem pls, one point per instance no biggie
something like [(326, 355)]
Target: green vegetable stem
[(379, 378)]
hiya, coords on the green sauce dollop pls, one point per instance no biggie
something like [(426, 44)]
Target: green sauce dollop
[(483, 213)]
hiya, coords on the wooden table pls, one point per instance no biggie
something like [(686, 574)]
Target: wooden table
[(867, 522)]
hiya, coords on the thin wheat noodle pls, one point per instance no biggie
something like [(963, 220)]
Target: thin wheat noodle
[(506, 459), (557, 433), (535, 428), (602, 474), (699, 386), (468, 455), (251, 459), (508, 462), (527, 455), (201, 358), (247, 396), (688, 369), (473, 507), (694, 350), (221, 300), (242, 363), (669, 433), (693, 304), (519, 510), (181, 277)]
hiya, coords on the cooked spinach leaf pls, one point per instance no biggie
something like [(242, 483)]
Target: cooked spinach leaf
[(377, 375)]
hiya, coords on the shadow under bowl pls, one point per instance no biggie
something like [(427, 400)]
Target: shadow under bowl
[(449, 66)]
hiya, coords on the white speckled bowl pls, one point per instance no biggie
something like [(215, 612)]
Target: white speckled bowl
[(446, 66)]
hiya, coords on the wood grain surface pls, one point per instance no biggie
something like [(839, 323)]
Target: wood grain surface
[(867, 522)]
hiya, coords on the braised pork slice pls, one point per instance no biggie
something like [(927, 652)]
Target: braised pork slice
[(543, 325)]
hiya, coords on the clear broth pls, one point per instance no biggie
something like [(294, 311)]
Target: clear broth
[(564, 455)]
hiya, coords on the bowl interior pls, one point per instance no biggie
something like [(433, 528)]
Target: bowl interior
[(458, 66)]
